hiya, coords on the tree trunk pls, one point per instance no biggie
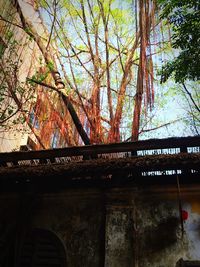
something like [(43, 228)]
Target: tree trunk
[(142, 77), (114, 134), (96, 132)]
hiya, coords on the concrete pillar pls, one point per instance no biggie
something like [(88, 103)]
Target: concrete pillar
[(119, 236)]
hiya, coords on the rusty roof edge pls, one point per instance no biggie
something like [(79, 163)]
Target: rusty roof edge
[(106, 166)]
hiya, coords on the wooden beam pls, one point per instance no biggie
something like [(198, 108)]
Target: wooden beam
[(92, 150)]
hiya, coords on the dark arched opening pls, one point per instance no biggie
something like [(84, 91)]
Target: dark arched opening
[(42, 248)]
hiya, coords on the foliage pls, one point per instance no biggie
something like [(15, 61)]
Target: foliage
[(14, 96), (192, 105), (184, 18)]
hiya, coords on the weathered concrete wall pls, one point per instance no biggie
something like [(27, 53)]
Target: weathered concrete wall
[(159, 234), (115, 228), (119, 237)]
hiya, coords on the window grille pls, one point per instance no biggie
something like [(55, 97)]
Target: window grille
[(42, 248)]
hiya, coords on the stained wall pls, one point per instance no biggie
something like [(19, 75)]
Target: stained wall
[(111, 227)]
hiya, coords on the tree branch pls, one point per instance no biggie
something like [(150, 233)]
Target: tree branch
[(53, 23), (190, 96), (55, 74)]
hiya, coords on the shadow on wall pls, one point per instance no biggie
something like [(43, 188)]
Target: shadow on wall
[(161, 236)]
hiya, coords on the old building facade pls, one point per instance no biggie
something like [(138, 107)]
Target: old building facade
[(105, 208)]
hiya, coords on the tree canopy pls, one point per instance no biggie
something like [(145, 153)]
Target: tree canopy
[(184, 18), (96, 66)]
